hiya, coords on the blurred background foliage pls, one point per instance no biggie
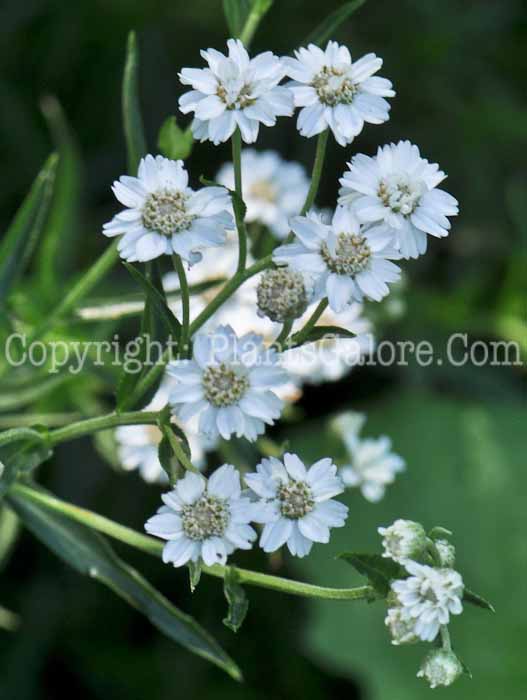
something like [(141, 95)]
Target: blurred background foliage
[(459, 71)]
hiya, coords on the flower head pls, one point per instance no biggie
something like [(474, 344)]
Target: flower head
[(228, 383), (235, 91), (347, 262), (204, 519), (401, 626), (273, 189), (429, 596), (299, 508), (282, 294), (398, 190), (164, 215), (447, 553), (373, 465), (403, 540), (440, 667), (335, 92)]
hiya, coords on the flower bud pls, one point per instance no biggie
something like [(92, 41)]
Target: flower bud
[(403, 540), (401, 626), (282, 294), (440, 667), (447, 553)]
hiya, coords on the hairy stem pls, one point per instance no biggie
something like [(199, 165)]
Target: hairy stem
[(155, 547)]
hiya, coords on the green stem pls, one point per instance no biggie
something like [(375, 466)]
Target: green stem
[(282, 336), (228, 290), (240, 224), (316, 172), (300, 337), (185, 303), (155, 547), (445, 638), (93, 425)]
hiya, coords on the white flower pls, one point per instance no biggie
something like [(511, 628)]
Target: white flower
[(447, 553), (337, 93), (346, 261), (164, 215), (235, 90), (228, 383), (273, 189), (330, 359), (440, 667), (401, 627), (429, 596), (204, 519), (398, 189), (299, 508), (403, 540), (373, 465)]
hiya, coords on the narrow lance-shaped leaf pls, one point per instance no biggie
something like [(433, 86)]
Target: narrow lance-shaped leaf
[(26, 228), (237, 600), (173, 141), (320, 332), (235, 12), (379, 570), (21, 450), (133, 122), (90, 554), (327, 28), (55, 256), (477, 600)]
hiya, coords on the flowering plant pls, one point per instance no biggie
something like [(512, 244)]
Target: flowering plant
[(226, 371)]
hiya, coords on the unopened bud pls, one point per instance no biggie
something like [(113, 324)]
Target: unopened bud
[(440, 667), (282, 294)]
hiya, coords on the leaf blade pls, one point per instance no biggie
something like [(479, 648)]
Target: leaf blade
[(90, 554), (173, 141), (329, 26), (132, 119), (379, 570)]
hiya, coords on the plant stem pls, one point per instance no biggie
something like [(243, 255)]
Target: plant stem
[(445, 638), (185, 303), (240, 224), (300, 337), (316, 173), (225, 292), (155, 547), (93, 425), (282, 336)]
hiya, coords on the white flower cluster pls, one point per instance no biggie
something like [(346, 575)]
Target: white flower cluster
[(205, 520), (236, 381), (372, 466), (420, 605)]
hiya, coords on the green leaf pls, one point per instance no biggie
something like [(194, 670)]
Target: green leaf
[(194, 571), (240, 208), (9, 621), (59, 237), (236, 12), (327, 28), (321, 332), (379, 570), (26, 228), (167, 458), (21, 450), (237, 600), (437, 533), (156, 298), (90, 554), (133, 122), (475, 599), (174, 142)]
